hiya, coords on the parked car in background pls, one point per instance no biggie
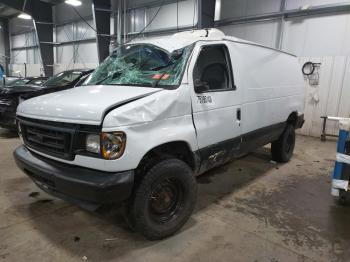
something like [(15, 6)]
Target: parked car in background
[(22, 89), (62, 81), (8, 80), (18, 81)]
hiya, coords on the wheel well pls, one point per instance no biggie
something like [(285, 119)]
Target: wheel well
[(293, 119), (178, 149)]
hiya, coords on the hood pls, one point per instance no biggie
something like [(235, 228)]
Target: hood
[(19, 89), (82, 105)]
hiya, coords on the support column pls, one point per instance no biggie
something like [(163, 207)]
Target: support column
[(206, 13), (101, 13), (43, 24), (7, 44)]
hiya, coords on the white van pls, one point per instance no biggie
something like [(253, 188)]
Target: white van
[(155, 114)]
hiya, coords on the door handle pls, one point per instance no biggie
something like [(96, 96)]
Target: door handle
[(238, 112)]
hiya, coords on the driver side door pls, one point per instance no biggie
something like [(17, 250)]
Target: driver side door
[(215, 103)]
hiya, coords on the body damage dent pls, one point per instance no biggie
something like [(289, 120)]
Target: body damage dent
[(159, 106), (111, 108)]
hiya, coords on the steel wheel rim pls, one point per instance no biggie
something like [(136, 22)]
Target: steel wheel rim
[(166, 200)]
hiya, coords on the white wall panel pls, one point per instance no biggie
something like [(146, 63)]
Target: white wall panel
[(318, 35), (87, 53), (186, 13), (18, 57), (83, 31), (240, 8), (30, 56), (64, 33), (261, 32), (31, 38), (58, 68), (65, 54), (32, 69), (18, 40), (166, 18), (136, 20), (295, 4), (332, 93)]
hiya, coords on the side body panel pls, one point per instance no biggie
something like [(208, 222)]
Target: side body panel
[(271, 87), (271, 83)]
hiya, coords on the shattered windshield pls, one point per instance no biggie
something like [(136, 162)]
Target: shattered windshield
[(141, 65)]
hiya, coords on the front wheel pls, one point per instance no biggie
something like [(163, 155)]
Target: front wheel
[(164, 200), (283, 148)]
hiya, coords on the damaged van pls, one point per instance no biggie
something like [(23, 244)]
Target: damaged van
[(154, 115)]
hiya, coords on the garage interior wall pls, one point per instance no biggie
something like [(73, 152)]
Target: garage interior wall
[(77, 42), (24, 48)]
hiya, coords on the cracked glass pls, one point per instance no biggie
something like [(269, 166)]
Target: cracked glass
[(142, 65)]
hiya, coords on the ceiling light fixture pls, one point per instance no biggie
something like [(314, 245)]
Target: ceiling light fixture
[(24, 16), (73, 2)]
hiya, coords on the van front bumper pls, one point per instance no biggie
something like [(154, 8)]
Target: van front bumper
[(75, 184)]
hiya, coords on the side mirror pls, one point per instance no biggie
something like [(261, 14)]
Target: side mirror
[(200, 87)]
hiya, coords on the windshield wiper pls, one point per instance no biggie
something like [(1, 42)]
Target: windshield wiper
[(162, 67), (156, 82)]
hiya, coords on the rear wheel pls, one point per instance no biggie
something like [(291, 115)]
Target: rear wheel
[(283, 148), (163, 201)]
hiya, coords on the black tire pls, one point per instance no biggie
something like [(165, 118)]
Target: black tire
[(163, 201), (283, 148)]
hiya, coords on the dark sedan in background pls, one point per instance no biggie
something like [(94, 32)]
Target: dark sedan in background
[(16, 81), (11, 96)]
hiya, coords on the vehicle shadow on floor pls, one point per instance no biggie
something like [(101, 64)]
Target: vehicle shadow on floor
[(104, 235), (8, 133)]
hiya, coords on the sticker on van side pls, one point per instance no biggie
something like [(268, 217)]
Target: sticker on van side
[(205, 99)]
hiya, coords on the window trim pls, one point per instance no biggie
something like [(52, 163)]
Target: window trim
[(232, 86)]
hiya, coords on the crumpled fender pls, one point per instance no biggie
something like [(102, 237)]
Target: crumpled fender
[(158, 106)]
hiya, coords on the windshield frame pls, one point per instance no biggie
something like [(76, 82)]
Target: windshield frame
[(159, 85)]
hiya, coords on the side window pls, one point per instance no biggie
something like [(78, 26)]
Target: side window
[(213, 70)]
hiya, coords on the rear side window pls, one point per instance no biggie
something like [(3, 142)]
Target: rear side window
[(213, 68)]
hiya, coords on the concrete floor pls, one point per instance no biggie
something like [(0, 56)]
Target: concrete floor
[(248, 210)]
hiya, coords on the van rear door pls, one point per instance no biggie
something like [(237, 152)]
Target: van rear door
[(216, 104)]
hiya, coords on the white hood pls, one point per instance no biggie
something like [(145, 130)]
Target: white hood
[(83, 105)]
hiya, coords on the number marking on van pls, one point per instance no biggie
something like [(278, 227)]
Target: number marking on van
[(205, 99)]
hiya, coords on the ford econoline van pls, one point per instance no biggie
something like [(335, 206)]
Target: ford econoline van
[(154, 115)]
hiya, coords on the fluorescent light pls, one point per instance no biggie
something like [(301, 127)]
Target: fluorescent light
[(24, 16), (73, 2)]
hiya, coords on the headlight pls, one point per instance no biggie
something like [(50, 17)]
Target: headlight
[(112, 145), (93, 143)]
